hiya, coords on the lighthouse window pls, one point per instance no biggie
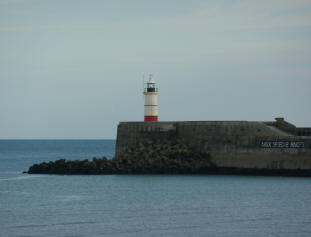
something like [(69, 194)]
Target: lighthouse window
[(151, 85), (150, 89)]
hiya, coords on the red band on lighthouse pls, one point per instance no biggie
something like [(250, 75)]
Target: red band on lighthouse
[(151, 119)]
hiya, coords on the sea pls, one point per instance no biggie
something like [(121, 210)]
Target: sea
[(141, 205)]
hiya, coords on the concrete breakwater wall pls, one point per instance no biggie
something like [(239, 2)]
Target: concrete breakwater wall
[(232, 144)]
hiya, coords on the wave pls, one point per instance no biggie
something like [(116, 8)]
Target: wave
[(21, 177)]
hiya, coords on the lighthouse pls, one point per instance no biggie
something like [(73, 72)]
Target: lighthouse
[(151, 101)]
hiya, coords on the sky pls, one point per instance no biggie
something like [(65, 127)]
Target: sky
[(73, 69)]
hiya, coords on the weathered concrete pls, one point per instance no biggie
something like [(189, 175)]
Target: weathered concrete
[(235, 144)]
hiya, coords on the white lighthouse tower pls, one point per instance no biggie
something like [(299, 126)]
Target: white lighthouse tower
[(151, 101)]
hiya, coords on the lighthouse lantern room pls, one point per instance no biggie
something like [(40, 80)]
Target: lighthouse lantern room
[(151, 101)]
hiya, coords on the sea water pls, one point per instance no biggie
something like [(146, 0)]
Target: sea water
[(141, 205)]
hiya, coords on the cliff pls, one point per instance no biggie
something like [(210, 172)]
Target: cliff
[(227, 144), (201, 147)]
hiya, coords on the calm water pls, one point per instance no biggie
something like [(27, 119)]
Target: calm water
[(141, 205)]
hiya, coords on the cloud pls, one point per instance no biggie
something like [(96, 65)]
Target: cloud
[(10, 1), (246, 14), (214, 15)]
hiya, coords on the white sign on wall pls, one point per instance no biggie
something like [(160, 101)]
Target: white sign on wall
[(282, 144)]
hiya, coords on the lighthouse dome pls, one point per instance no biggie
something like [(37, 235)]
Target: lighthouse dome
[(151, 81)]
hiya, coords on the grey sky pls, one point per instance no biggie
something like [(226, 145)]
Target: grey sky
[(73, 69)]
